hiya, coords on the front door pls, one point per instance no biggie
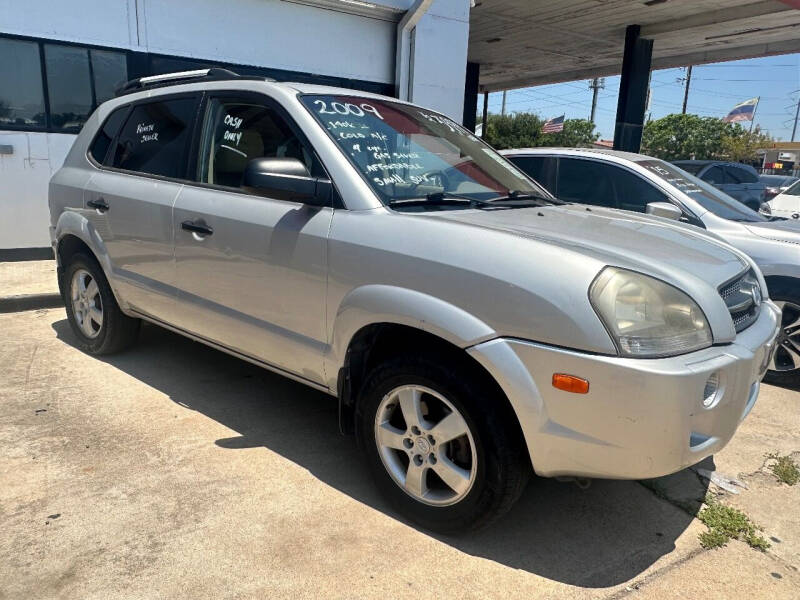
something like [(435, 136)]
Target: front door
[(130, 201), (251, 271)]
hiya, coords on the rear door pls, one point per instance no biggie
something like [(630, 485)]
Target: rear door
[(255, 282), (131, 196), (744, 186)]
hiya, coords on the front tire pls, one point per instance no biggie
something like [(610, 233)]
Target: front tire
[(93, 313), (440, 444), (785, 366)]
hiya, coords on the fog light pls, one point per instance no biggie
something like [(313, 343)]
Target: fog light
[(711, 390)]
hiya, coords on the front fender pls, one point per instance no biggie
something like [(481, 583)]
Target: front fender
[(373, 304)]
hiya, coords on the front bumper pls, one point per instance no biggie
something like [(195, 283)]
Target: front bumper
[(641, 417)]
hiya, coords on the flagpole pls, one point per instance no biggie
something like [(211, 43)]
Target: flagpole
[(755, 108)]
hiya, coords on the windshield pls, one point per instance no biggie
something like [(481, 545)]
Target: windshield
[(777, 180), (406, 152), (704, 194), (794, 190)]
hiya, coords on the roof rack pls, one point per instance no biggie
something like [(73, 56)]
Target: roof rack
[(153, 81)]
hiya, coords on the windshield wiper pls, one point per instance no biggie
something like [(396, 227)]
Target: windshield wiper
[(445, 198), (515, 198), (438, 199)]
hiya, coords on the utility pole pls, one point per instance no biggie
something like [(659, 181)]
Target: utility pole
[(503, 106), (686, 92), (598, 83), (796, 114), (485, 114)]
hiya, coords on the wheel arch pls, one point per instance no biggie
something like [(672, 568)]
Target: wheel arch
[(74, 233)]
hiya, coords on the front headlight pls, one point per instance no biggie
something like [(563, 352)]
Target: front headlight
[(647, 317)]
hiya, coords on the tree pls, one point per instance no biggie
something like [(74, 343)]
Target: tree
[(676, 137), (743, 148), (524, 130)]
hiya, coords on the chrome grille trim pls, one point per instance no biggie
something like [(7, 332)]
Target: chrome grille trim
[(742, 299)]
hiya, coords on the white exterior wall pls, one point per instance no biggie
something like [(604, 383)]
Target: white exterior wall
[(268, 33)]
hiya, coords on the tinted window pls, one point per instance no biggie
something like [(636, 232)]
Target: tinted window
[(110, 70), (635, 193), (21, 95), (235, 132), (739, 175), (68, 85), (105, 136), (690, 167), (586, 181), (714, 176), (155, 136), (794, 190), (541, 168)]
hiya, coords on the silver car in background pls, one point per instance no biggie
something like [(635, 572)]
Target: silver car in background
[(469, 324), (644, 184)]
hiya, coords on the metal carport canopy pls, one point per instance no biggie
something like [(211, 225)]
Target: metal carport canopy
[(520, 43)]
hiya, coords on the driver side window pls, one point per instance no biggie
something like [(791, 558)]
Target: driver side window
[(235, 132)]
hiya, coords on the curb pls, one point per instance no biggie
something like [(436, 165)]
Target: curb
[(23, 302)]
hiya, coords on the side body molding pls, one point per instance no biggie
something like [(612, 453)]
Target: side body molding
[(372, 304)]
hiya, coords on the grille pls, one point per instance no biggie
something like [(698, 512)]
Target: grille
[(742, 296)]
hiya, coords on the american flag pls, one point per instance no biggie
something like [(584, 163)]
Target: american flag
[(553, 125)]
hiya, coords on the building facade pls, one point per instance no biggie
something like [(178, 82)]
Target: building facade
[(59, 60)]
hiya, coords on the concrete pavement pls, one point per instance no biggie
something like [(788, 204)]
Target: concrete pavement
[(175, 471), (27, 285)]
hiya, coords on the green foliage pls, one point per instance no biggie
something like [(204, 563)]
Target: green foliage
[(524, 130), (713, 539), (676, 137), (728, 523), (785, 469)]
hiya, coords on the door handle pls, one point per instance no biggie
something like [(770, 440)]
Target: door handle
[(195, 227), (99, 204)]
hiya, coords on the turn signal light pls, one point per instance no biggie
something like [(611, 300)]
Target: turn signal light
[(570, 383)]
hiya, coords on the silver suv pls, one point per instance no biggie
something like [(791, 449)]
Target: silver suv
[(470, 324)]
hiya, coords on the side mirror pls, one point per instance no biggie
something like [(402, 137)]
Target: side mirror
[(664, 209), (286, 179)]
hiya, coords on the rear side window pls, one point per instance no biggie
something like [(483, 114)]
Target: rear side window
[(155, 136), (739, 175), (714, 176), (541, 168), (104, 137)]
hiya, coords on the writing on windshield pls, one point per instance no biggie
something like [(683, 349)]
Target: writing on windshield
[(404, 151)]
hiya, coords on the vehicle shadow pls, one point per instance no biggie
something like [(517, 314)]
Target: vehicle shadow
[(595, 537)]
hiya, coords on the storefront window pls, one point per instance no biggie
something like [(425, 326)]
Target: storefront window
[(21, 94)]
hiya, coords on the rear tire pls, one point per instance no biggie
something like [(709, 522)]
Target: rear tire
[(787, 355), (93, 313), (487, 465)]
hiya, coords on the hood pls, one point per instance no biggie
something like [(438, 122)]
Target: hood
[(659, 247), (782, 231)]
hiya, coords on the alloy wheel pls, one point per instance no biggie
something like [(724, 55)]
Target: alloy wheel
[(426, 445), (787, 354), (87, 306)]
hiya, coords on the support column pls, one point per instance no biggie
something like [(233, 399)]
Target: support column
[(471, 96), (632, 90)]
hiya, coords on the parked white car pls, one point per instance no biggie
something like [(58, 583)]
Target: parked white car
[(787, 203)]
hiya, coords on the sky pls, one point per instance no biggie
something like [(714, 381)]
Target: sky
[(714, 90)]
